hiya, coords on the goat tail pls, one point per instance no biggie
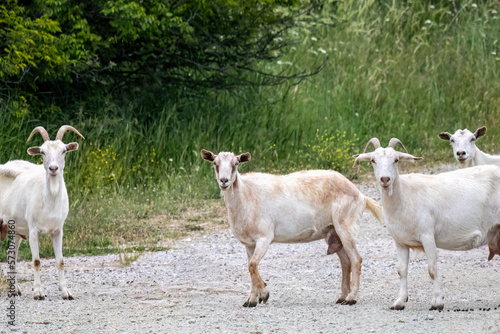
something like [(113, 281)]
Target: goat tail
[(374, 208)]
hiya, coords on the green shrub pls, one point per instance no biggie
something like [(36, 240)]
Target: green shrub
[(331, 151)]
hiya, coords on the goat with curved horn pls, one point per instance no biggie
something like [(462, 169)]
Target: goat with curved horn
[(42, 131), (35, 198), (63, 129), (394, 141)]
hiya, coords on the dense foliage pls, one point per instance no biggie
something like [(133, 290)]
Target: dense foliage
[(68, 49)]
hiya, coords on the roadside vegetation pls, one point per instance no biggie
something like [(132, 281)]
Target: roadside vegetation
[(393, 69)]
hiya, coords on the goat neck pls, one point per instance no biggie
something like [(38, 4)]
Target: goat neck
[(232, 195), (54, 188)]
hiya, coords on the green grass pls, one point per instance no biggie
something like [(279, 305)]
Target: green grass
[(394, 69)]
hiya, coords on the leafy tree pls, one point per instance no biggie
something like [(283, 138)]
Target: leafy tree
[(66, 47)]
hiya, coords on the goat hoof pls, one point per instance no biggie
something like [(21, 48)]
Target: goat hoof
[(349, 302), (439, 308), (39, 297), (68, 297), (398, 307), (264, 297), (340, 301), (249, 303)]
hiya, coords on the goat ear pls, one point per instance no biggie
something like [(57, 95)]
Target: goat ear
[(445, 136), (361, 157), (71, 147), (480, 132), (244, 157), (35, 150), (207, 155), (408, 157)]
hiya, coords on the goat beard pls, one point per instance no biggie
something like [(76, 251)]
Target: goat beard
[(389, 190), (54, 185)]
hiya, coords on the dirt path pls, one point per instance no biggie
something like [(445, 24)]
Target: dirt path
[(201, 284)]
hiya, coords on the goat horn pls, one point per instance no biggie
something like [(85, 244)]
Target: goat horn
[(63, 129), (374, 141), (394, 141), (42, 131)]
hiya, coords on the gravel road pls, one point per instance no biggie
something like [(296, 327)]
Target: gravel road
[(200, 284)]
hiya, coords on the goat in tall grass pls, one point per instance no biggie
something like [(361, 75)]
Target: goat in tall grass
[(465, 150)]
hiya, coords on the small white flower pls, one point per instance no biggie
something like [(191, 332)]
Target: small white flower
[(279, 62), (428, 21), (493, 52), (322, 50), (493, 11), (431, 6), (314, 38), (474, 5)]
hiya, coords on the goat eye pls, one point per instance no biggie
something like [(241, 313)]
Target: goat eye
[(372, 161), (396, 161), (452, 141)]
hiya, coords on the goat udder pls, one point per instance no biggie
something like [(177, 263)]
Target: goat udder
[(334, 243), (3, 228)]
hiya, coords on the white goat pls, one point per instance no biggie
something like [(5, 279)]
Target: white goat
[(294, 208), (34, 199), (458, 210), (465, 150)]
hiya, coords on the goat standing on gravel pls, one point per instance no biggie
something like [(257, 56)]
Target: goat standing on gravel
[(295, 208), (34, 197), (465, 150), (457, 211)]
